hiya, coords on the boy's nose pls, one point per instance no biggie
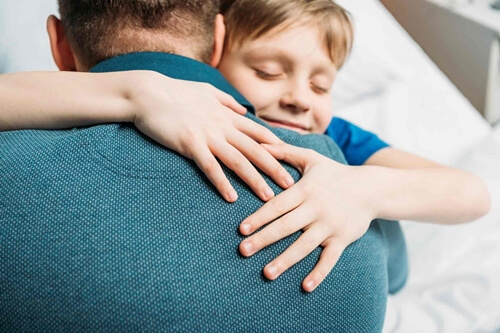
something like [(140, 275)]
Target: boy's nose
[(295, 100)]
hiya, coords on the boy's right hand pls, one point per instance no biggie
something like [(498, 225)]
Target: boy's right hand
[(203, 123), (326, 204)]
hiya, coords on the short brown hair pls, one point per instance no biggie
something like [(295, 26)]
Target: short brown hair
[(100, 29), (250, 19)]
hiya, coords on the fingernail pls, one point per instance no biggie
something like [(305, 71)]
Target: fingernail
[(248, 247), (232, 196), (268, 193), (245, 228), (310, 285), (273, 270), (289, 180)]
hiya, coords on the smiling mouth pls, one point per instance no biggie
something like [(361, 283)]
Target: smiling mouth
[(287, 124)]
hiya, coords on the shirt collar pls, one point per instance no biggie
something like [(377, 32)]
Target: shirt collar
[(174, 66)]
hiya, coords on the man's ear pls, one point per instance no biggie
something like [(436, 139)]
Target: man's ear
[(61, 51), (219, 37)]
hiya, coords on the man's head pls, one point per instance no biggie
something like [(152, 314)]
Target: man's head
[(94, 30), (283, 56)]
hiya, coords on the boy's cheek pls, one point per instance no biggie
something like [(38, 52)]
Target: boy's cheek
[(266, 101), (324, 116), (260, 95)]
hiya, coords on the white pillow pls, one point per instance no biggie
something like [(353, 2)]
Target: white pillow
[(390, 86)]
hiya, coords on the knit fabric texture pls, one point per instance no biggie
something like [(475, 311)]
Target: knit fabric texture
[(102, 230)]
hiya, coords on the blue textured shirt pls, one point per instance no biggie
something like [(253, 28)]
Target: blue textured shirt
[(356, 144), (103, 230)]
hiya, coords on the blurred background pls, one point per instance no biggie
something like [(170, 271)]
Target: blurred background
[(463, 38), (425, 76), (24, 44)]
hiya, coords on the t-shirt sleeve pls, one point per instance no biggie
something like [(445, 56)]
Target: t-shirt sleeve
[(356, 143)]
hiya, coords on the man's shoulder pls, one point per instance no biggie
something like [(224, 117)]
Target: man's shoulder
[(118, 147), (30, 145)]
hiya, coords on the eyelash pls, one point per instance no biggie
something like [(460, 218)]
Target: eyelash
[(265, 75), (320, 90)]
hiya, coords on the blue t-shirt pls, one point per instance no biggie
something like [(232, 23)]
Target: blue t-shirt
[(356, 143)]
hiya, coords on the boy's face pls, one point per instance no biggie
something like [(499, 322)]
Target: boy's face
[(287, 76)]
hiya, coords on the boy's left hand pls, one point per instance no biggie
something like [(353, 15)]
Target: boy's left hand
[(330, 204)]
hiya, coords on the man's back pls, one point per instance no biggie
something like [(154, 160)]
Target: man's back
[(104, 230)]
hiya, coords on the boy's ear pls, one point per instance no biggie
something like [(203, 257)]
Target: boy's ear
[(219, 37), (61, 51)]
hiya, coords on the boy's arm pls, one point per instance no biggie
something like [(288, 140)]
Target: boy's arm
[(57, 100), (421, 190), (334, 204), (192, 118), (398, 159)]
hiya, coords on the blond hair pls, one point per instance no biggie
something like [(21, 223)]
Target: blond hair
[(248, 20)]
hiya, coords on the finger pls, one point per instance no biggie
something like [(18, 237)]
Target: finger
[(295, 156), (281, 204), (256, 131), (306, 243), (212, 169), (236, 161), (328, 259), (262, 159), (228, 101), (279, 229)]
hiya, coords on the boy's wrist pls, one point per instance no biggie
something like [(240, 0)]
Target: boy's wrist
[(376, 192), (135, 87), (128, 83)]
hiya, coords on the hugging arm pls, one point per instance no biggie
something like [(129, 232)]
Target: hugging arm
[(192, 118), (334, 204)]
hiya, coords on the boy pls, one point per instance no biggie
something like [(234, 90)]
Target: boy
[(283, 57)]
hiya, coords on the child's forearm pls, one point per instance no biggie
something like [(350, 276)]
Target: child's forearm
[(438, 195), (54, 100)]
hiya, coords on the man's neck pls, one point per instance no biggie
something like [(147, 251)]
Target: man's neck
[(171, 65)]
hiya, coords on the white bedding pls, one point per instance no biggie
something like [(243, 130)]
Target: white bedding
[(454, 283), (391, 87)]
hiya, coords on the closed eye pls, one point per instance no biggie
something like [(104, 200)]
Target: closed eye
[(266, 75), (320, 90)]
